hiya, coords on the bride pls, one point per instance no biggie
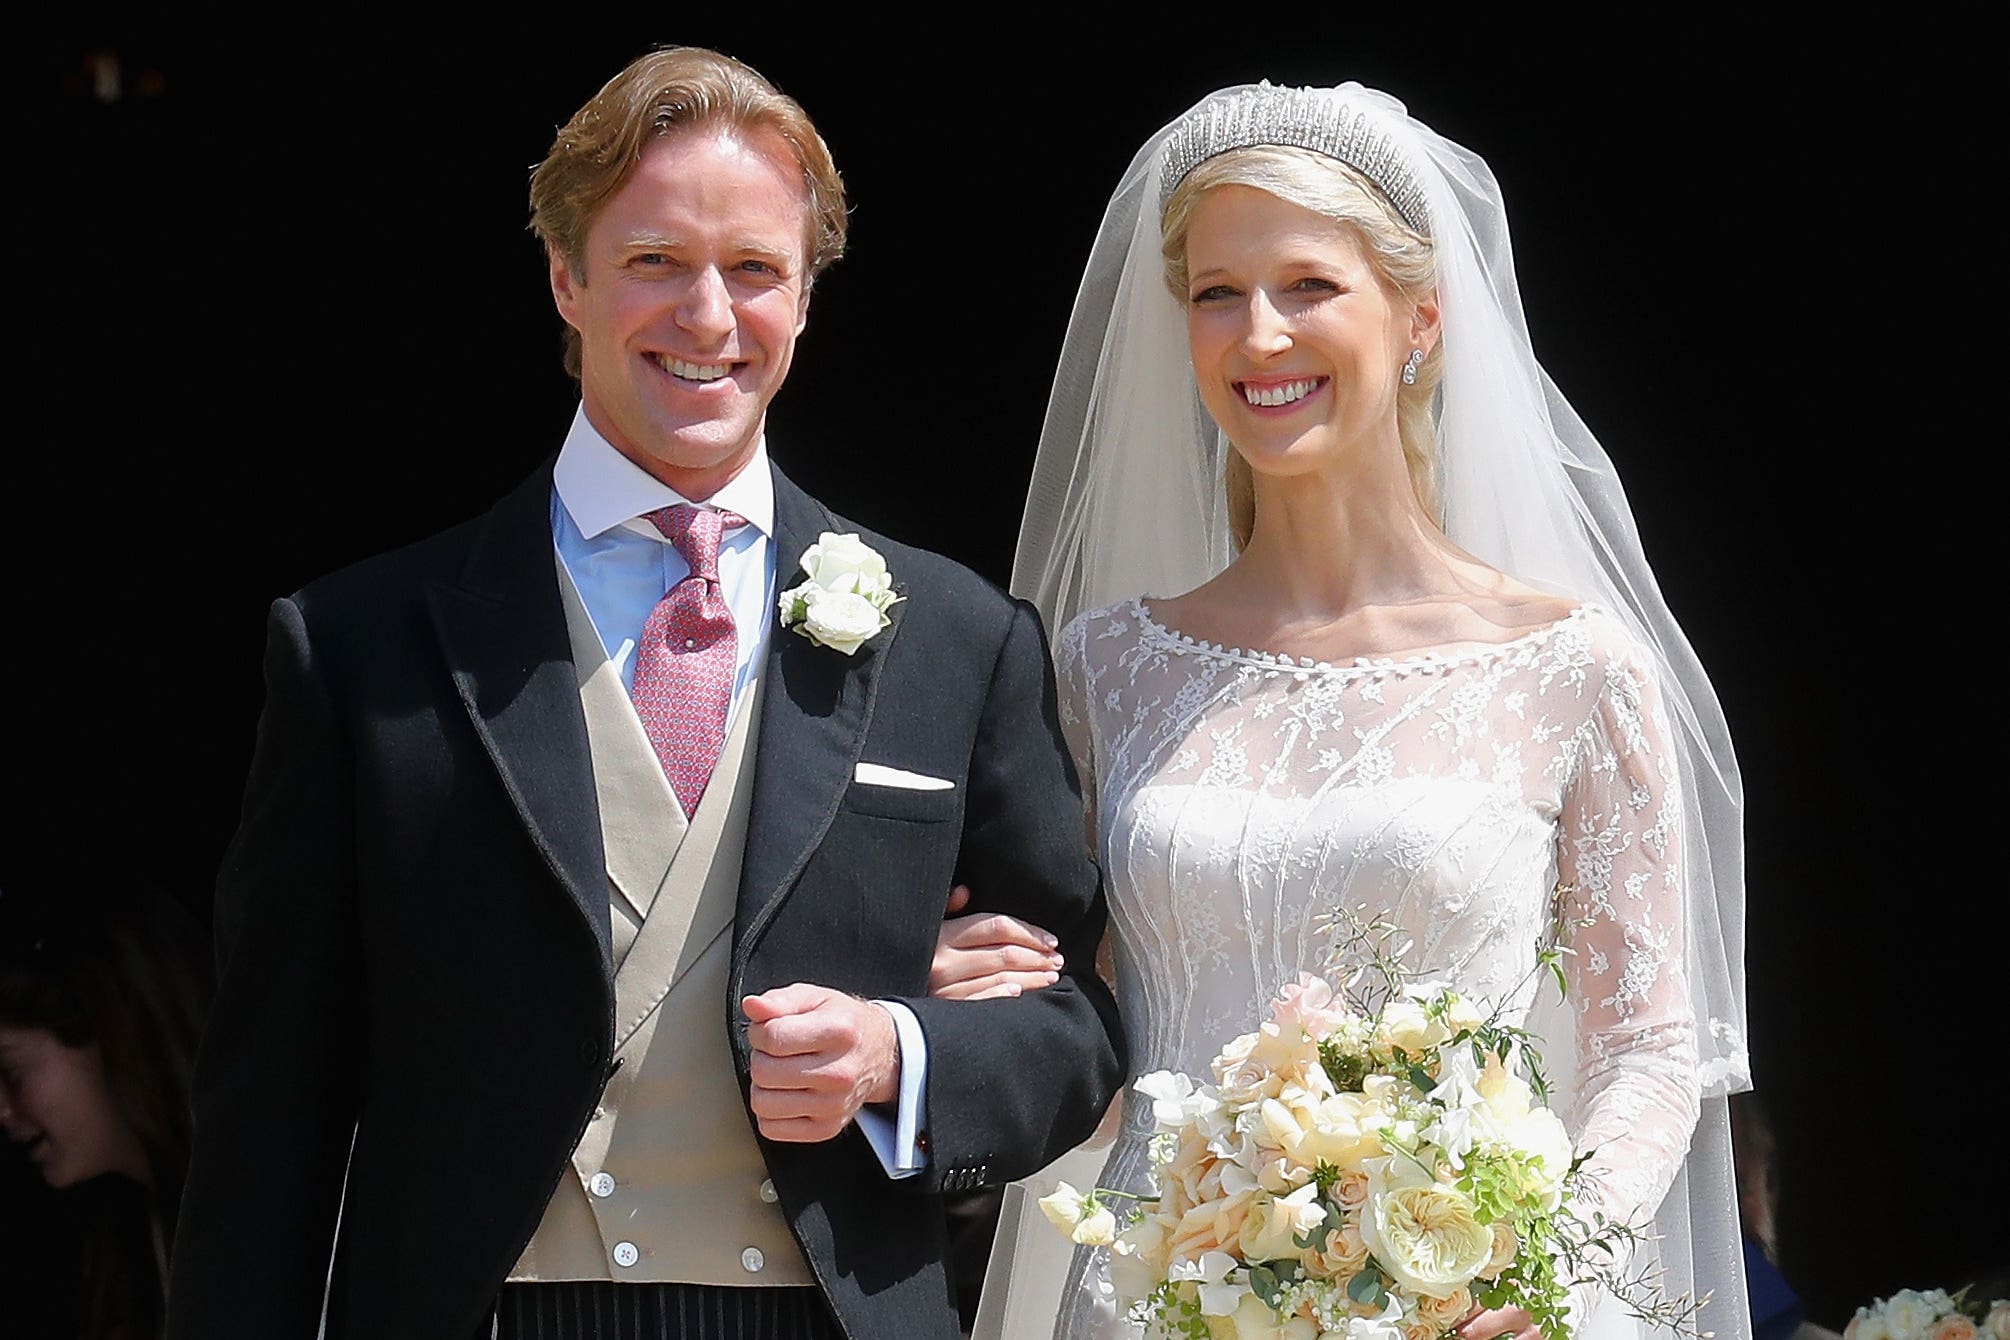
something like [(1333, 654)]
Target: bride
[(1355, 615)]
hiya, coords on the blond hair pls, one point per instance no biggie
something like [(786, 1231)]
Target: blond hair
[(596, 152), (1403, 258)]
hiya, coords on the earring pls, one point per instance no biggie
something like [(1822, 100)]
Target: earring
[(1410, 367)]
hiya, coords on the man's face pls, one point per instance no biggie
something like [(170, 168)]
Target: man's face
[(688, 302)]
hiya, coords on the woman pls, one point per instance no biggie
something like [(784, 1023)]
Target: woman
[(101, 1002), (1368, 626)]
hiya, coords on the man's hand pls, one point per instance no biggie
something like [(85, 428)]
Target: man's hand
[(819, 1056), (988, 955)]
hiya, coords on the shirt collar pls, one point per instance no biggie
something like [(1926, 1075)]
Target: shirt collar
[(602, 489)]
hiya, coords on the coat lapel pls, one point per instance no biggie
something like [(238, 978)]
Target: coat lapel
[(502, 630), (815, 709)]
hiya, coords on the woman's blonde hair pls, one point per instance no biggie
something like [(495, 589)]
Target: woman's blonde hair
[(1402, 257)]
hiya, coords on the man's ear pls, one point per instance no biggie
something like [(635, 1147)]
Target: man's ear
[(565, 286), (803, 310)]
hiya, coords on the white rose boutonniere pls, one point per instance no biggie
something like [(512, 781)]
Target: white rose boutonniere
[(845, 600)]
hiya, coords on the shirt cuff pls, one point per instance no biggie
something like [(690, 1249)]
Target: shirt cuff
[(897, 1139)]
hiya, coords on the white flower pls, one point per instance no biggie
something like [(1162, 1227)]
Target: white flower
[(1909, 1315), (845, 600), (1425, 1233), (1868, 1325), (1085, 1219), (1064, 1208), (1177, 1100), (1097, 1229), (1218, 1295), (1387, 1326)]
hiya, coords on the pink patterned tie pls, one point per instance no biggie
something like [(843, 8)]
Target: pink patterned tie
[(685, 661)]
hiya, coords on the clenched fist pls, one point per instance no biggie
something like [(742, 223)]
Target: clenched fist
[(819, 1056)]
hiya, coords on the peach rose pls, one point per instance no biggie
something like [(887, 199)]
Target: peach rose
[(1997, 1323), (1344, 1254), (1506, 1244), (1445, 1312), (1350, 1193), (1952, 1327)]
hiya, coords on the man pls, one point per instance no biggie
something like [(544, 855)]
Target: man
[(564, 865)]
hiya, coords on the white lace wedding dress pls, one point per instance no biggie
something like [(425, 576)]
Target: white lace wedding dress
[(1238, 797)]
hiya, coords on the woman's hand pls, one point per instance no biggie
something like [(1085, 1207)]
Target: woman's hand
[(1501, 1321), (987, 955)]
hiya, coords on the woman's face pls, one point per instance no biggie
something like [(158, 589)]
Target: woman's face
[(1298, 346), (54, 1101)]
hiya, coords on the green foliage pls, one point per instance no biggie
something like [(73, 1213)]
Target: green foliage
[(1370, 1287), (1324, 1176), (1269, 1282), (1345, 1069)]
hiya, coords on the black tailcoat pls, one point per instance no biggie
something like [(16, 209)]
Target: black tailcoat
[(412, 926)]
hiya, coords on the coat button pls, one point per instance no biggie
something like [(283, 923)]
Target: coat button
[(752, 1260), (768, 1192), (602, 1185), (625, 1254)]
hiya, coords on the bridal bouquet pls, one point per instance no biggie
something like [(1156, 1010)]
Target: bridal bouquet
[(1357, 1175), (1931, 1314)]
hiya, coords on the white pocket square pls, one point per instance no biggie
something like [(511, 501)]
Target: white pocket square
[(878, 774)]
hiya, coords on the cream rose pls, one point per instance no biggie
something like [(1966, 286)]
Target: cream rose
[(1997, 1323), (1342, 1133), (1403, 1023), (1274, 1224), (1426, 1235)]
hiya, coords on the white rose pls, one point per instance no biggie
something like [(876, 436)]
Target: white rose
[(1998, 1321), (845, 563), (1868, 1325), (841, 620), (1427, 1235), (1909, 1315)]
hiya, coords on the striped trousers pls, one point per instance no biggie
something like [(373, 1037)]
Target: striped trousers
[(601, 1310)]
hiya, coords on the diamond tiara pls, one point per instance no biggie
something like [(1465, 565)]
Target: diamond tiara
[(1302, 118)]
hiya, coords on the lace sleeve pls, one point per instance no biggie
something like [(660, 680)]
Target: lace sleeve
[(1620, 859)]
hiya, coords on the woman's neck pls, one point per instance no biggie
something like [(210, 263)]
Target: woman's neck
[(1330, 543)]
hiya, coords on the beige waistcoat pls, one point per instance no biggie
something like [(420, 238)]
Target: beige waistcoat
[(667, 1184)]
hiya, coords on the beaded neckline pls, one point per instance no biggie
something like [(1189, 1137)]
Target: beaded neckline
[(1429, 662)]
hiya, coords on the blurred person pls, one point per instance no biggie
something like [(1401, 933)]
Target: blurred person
[(101, 1001), (1777, 1310)]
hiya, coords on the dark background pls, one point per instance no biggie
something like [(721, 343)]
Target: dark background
[(277, 310)]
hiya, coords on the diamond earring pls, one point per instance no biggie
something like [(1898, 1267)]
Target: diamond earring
[(1410, 367)]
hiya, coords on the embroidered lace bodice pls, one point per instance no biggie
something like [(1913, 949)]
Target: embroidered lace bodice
[(1237, 799)]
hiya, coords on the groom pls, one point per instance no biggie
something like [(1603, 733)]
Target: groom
[(574, 940)]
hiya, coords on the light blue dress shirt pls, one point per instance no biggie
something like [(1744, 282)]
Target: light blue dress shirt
[(622, 565)]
